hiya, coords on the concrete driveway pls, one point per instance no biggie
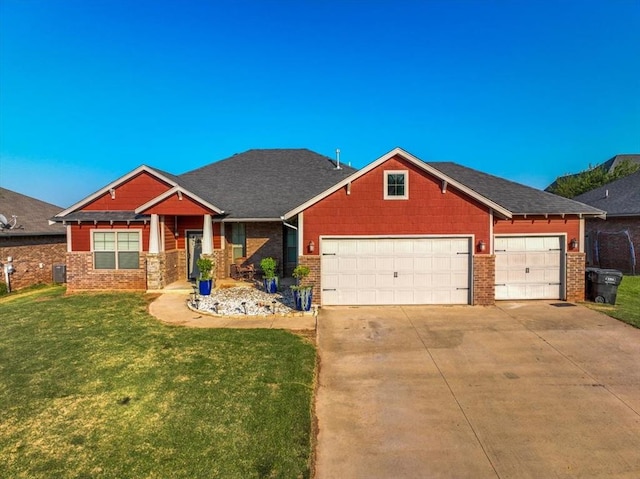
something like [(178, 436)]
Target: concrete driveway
[(521, 390)]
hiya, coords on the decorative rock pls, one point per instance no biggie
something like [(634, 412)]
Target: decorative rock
[(244, 300)]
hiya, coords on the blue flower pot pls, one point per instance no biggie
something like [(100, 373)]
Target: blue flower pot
[(271, 285), (303, 299), (204, 287)]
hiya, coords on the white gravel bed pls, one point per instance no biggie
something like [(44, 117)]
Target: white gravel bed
[(244, 300)]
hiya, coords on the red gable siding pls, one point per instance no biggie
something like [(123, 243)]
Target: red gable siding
[(365, 211), (173, 205), (131, 194)]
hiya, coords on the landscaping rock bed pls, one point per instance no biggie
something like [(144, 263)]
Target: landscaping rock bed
[(244, 300)]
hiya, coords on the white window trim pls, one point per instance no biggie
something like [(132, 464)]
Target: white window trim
[(386, 184), (122, 230)]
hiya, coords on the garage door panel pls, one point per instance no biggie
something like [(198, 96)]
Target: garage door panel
[(528, 267), (396, 270)]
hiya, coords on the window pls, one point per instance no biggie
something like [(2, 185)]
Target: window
[(116, 249), (238, 240), (396, 185), (292, 245)]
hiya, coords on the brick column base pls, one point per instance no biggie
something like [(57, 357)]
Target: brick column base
[(313, 262), (575, 276), (484, 280)]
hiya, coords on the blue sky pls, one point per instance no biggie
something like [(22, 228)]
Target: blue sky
[(527, 90)]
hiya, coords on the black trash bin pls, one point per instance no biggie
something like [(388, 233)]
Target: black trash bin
[(602, 284)]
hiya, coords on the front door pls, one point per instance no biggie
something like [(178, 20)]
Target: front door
[(194, 249)]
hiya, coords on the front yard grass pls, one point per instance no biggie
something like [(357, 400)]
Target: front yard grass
[(627, 307), (91, 386)]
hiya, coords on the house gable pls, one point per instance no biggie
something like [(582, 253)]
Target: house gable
[(431, 209), (126, 193), (417, 163), (178, 201)]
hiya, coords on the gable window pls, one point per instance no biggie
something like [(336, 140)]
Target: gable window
[(116, 249), (238, 240), (396, 185)]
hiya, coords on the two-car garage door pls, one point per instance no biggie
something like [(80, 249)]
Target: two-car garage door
[(367, 271)]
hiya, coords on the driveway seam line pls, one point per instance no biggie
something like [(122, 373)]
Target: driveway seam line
[(587, 373), (452, 393)]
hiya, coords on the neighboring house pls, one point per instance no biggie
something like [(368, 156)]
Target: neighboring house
[(609, 166), (399, 231), (615, 242), (26, 236)]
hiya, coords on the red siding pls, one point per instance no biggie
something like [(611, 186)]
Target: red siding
[(195, 223), (81, 234), (170, 240), (173, 205), (365, 211), (539, 225), (131, 194)]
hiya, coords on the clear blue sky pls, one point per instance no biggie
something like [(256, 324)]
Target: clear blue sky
[(527, 90)]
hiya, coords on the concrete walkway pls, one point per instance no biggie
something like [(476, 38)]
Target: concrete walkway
[(521, 390), (171, 308)]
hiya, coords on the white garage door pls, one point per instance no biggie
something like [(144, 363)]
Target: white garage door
[(361, 271), (529, 267)]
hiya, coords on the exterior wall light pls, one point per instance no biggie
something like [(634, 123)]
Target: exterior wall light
[(482, 246), (311, 247), (574, 243)]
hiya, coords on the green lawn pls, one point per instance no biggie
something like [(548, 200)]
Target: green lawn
[(627, 307), (91, 386)]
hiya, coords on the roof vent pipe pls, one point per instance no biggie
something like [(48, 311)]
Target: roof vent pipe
[(337, 158), (606, 193)]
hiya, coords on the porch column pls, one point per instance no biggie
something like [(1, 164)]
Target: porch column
[(154, 235), (207, 236)]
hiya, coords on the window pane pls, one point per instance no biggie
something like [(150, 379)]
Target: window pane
[(128, 260), (238, 240), (128, 242), (104, 241), (105, 260), (395, 184)]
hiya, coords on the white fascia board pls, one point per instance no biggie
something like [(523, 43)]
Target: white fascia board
[(411, 159), (114, 184), (250, 220), (172, 192)]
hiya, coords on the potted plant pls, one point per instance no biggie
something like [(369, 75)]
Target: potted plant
[(269, 277), (205, 265), (302, 294)]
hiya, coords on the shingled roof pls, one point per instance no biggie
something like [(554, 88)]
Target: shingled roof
[(618, 198), (517, 198), (264, 184), (32, 215)]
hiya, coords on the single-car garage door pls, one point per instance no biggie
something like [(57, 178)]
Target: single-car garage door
[(363, 271), (529, 267)]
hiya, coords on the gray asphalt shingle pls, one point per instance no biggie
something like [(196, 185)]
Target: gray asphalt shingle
[(264, 183), (32, 215), (618, 198), (515, 197)]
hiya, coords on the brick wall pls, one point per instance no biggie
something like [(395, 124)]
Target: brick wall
[(575, 276), (613, 250), (313, 262), (263, 240), (28, 253), (82, 277), (484, 279)]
